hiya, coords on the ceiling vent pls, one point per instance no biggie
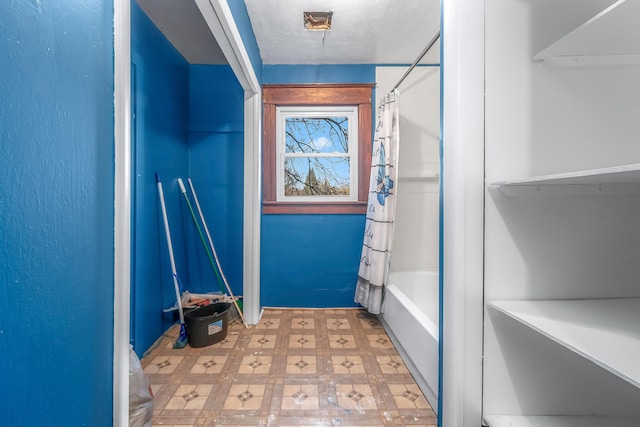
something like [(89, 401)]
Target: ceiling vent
[(317, 21)]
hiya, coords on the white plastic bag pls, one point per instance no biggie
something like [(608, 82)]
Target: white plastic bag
[(140, 395)]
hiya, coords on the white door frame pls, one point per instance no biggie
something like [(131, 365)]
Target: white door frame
[(218, 17), (463, 179), (122, 209), (220, 21)]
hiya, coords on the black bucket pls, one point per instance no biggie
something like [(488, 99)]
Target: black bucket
[(208, 324)]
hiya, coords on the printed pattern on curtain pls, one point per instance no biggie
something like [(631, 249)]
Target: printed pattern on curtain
[(381, 208)]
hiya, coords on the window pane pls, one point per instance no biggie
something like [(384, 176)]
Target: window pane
[(316, 176), (317, 135)]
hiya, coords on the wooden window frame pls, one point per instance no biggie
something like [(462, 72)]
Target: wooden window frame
[(316, 95)]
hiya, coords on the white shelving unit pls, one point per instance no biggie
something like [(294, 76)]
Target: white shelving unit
[(559, 421), (562, 286), (626, 174), (604, 331), (609, 38), (612, 180)]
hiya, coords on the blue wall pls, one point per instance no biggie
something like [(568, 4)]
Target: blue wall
[(56, 212), (216, 138), (299, 74), (160, 98), (311, 260)]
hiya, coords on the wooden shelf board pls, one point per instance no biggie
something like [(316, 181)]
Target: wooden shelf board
[(604, 331), (559, 421), (627, 174), (614, 31)]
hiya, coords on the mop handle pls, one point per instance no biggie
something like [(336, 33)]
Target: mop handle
[(204, 243), (170, 247), (206, 230), (213, 249)]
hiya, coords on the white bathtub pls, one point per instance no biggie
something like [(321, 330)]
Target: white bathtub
[(411, 320)]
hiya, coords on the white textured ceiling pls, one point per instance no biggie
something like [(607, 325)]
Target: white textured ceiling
[(363, 31)]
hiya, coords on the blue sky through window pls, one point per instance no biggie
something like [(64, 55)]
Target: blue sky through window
[(317, 135), (317, 156)]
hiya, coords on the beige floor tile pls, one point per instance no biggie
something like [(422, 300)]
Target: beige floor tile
[(379, 341), (302, 341), (302, 365), (357, 397), (263, 341), (244, 397), (347, 365), (209, 365), (255, 365), (229, 341), (190, 397), (408, 396), (163, 364), (303, 323), (338, 323), (392, 365), (300, 397), (341, 341), (296, 368), (269, 323)]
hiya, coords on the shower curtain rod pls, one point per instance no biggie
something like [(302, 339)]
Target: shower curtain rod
[(422, 54)]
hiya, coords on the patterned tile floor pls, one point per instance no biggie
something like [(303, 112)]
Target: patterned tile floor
[(295, 368)]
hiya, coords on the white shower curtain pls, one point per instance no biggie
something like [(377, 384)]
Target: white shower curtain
[(381, 208)]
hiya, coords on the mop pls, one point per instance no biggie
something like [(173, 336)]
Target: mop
[(182, 340), (214, 263)]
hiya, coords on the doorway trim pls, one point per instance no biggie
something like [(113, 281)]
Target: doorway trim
[(219, 18), (220, 21), (462, 271), (122, 209)]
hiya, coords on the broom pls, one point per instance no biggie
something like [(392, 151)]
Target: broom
[(182, 340), (215, 255), (215, 264), (195, 221)]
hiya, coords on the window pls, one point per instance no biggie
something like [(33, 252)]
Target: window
[(317, 154), (317, 148)]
